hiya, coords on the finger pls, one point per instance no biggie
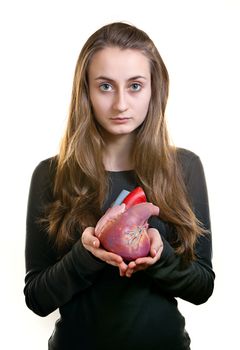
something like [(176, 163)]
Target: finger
[(132, 265), (141, 261), (129, 272), (129, 269), (89, 239), (95, 243), (156, 241), (122, 269), (91, 244), (153, 252), (108, 257)]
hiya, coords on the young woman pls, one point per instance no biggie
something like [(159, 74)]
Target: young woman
[(116, 138)]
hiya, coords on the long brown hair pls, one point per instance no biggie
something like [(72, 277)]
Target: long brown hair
[(81, 183)]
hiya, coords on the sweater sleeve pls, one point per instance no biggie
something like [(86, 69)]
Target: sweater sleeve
[(50, 282), (194, 282)]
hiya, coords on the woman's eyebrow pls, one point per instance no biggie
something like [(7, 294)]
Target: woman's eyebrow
[(101, 77)]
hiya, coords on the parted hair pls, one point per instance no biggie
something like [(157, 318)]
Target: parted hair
[(81, 181)]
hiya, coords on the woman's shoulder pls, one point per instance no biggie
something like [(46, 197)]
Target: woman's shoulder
[(186, 156), (46, 166), (189, 161), (44, 172)]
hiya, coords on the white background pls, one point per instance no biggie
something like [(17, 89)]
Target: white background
[(199, 42)]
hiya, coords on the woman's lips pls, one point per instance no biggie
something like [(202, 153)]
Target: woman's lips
[(120, 120)]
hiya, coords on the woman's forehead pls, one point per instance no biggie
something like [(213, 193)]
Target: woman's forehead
[(113, 61)]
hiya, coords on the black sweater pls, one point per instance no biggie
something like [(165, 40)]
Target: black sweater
[(98, 308)]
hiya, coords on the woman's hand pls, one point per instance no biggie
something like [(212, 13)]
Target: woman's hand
[(92, 244), (143, 263)]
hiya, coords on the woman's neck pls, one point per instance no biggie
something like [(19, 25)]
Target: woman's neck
[(117, 155)]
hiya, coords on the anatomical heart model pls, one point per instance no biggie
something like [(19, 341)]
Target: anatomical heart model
[(123, 228)]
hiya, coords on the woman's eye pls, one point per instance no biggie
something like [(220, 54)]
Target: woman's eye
[(105, 87), (136, 87)]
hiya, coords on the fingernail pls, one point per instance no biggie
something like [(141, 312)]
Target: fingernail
[(94, 243)]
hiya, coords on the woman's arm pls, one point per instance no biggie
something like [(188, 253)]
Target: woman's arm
[(49, 282), (195, 282)]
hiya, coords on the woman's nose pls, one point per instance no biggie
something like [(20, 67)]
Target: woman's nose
[(120, 101)]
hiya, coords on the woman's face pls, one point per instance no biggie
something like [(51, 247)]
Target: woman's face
[(120, 89)]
